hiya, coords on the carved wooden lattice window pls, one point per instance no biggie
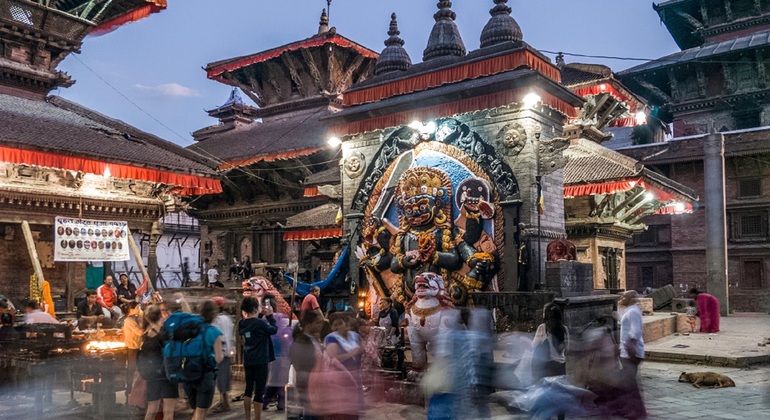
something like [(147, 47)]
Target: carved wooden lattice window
[(751, 275), (689, 86), (749, 226), (745, 76), (750, 188)]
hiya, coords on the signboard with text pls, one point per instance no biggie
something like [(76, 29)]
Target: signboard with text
[(90, 240)]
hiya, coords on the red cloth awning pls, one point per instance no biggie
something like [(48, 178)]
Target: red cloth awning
[(607, 87), (188, 184), (153, 6), (312, 234), (473, 70), (658, 194), (672, 209), (600, 188), (449, 109), (312, 192), (268, 158)]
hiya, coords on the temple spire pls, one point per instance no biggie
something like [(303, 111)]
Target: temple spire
[(394, 56), (444, 38), (502, 27), (323, 25)]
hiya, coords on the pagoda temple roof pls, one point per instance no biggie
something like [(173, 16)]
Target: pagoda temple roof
[(476, 64), (593, 165), (324, 215), (278, 137), (687, 149), (216, 69), (327, 177), (60, 130), (712, 49)]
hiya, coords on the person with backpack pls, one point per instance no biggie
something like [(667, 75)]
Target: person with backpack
[(191, 354), (149, 362), (256, 327)]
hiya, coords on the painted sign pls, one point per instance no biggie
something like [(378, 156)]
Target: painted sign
[(90, 240)]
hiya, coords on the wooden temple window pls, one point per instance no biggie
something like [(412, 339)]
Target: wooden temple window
[(749, 226), (745, 74), (752, 273), (750, 188), (648, 237), (647, 276)]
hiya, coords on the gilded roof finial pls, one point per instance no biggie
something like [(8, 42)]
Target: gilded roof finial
[(502, 27), (323, 25), (394, 56), (444, 38)]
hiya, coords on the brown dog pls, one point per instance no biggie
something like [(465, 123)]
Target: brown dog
[(706, 379)]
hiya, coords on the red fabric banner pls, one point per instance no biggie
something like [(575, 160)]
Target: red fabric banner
[(312, 234), (600, 188), (140, 13), (448, 109), (268, 158), (188, 184), (606, 87), (473, 70), (311, 192)]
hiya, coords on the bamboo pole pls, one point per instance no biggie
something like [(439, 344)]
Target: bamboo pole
[(30, 241), (138, 257)]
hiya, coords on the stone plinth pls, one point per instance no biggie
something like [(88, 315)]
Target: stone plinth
[(645, 304), (569, 278)]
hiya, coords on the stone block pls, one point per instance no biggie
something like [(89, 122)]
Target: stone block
[(645, 304), (569, 278), (679, 305)]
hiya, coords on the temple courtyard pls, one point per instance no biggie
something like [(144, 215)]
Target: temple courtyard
[(734, 352)]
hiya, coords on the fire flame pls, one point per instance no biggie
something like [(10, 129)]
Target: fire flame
[(105, 345)]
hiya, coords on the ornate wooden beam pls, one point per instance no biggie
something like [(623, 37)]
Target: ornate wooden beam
[(349, 73), (272, 69), (288, 61), (249, 90), (312, 68), (631, 196)]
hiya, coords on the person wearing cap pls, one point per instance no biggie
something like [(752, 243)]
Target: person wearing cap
[(225, 323)]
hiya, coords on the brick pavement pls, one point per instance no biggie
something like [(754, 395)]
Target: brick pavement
[(665, 397)]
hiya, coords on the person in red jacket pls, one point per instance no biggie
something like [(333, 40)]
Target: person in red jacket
[(107, 297), (708, 311)]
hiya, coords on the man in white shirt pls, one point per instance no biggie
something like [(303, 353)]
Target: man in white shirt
[(225, 323), (631, 355), (35, 316), (213, 276)]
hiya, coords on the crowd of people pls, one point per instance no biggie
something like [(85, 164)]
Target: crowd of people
[(323, 355)]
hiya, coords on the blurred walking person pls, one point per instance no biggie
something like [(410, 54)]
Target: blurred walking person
[(278, 375), (224, 322), (631, 356)]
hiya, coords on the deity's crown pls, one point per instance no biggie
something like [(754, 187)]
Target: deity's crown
[(424, 181)]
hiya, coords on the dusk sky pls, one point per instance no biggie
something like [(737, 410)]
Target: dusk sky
[(156, 63)]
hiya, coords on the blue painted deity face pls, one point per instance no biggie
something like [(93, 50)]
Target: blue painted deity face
[(419, 211)]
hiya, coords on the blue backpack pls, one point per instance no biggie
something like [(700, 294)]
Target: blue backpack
[(186, 354)]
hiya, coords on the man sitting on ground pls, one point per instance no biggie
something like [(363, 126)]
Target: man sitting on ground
[(35, 316), (108, 299), (89, 312)]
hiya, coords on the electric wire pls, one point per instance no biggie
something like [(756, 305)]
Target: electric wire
[(204, 153)]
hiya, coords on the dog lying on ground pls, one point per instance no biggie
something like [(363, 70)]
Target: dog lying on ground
[(706, 379)]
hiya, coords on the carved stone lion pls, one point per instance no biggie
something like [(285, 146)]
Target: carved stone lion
[(354, 165)]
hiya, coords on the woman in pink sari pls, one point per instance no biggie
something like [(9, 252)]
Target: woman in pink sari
[(708, 311)]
